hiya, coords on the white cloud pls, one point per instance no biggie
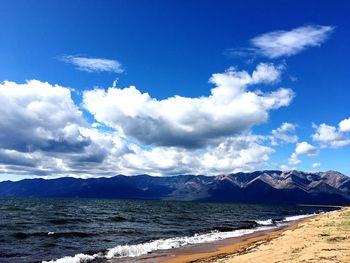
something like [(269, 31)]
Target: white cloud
[(37, 115), (285, 133), (241, 153), (294, 160), (301, 149), (284, 167), (94, 64), (306, 148), (43, 133), (287, 43), (315, 165), (344, 125), (190, 122), (39, 125), (330, 136)]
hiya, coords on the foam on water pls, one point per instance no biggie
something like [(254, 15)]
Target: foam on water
[(267, 222), (137, 250), (160, 244), (293, 218), (170, 243), (79, 258)]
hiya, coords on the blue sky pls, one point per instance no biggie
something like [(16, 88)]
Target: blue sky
[(167, 48)]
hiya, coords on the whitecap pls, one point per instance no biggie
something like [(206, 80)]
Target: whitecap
[(298, 217), (267, 222), (137, 250), (79, 258)]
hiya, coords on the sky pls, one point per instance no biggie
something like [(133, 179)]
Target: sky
[(99, 88)]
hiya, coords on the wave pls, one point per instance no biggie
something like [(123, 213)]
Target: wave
[(294, 218), (270, 222), (122, 251), (176, 242), (136, 250), (267, 222), (79, 258)]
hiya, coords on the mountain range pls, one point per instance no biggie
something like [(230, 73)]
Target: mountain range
[(270, 186)]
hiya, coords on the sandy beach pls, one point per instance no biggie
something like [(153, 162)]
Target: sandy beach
[(323, 238)]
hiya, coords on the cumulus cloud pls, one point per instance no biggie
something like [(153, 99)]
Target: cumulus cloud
[(240, 153), (294, 160), (285, 134), (190, 122), (315, 165), (284, 167), (302, 148), (306, 148), (94, 64), (44, 133), (287, 43), (330, 136), (37, 115), (344, 125)]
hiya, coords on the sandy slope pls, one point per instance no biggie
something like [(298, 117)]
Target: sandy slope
[(325, 238)]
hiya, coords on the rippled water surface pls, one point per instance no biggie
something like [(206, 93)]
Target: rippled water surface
[(33, 230)]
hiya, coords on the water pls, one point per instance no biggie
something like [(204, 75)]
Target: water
[(35, 230)]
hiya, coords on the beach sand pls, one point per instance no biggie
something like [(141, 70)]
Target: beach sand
[(323, 238)]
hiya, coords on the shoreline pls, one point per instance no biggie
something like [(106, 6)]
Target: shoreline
[(175, 255), (214, 249), (234, 245), (235, 251)]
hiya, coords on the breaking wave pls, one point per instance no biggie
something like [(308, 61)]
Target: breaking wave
[(160, 244), (137, 250), (271, 222)]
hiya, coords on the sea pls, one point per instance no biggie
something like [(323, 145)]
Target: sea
[(92, 230)]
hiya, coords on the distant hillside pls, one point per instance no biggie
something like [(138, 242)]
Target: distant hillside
[(259, 187)]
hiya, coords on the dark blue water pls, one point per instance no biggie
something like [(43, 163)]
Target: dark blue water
[(33, 230)]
